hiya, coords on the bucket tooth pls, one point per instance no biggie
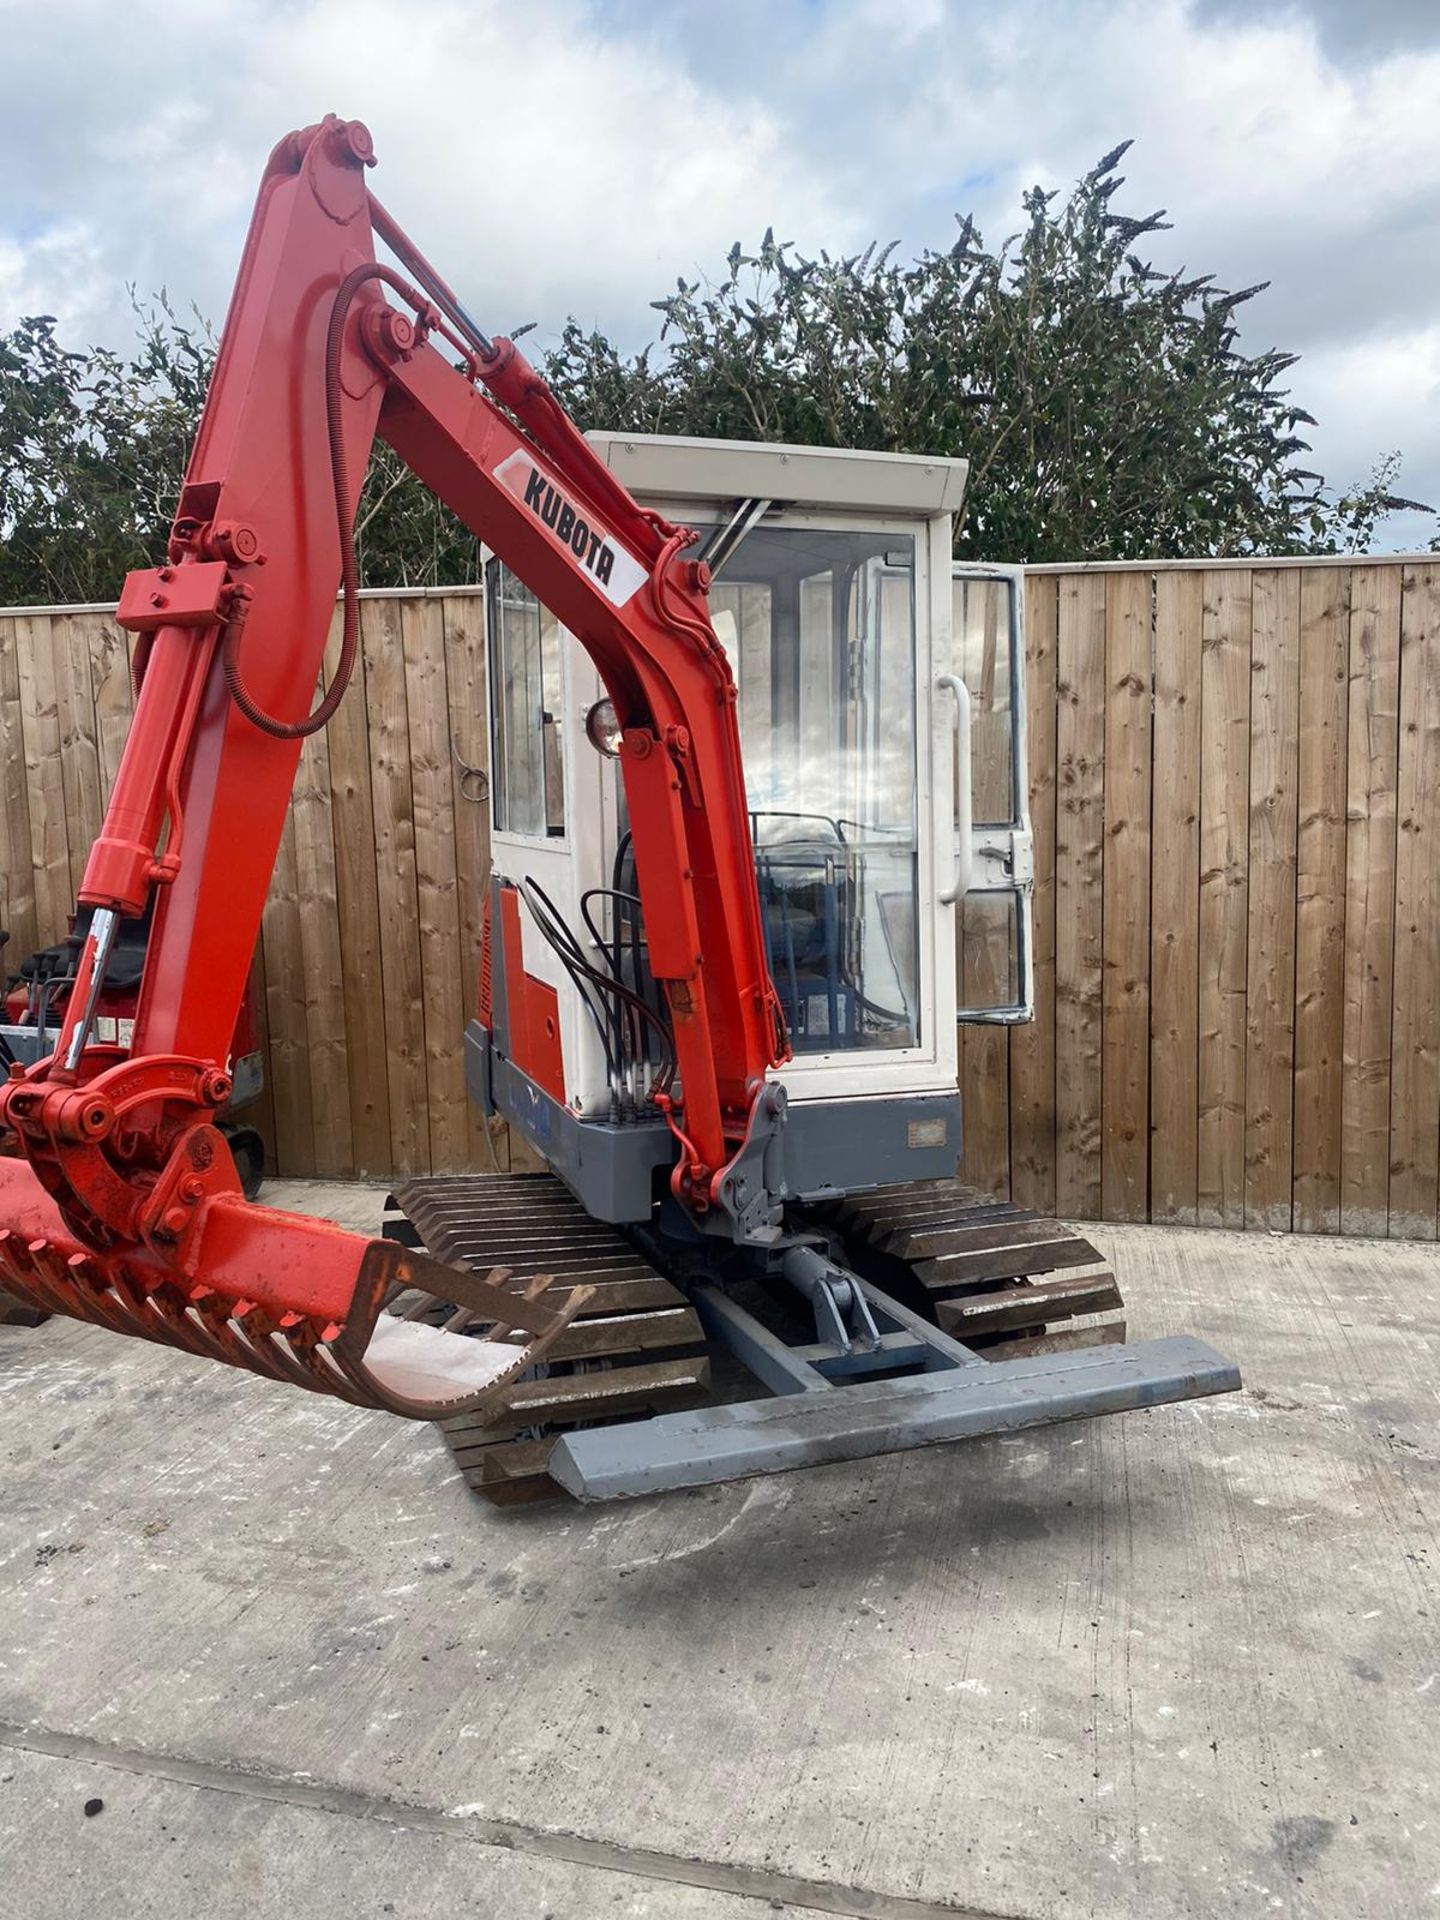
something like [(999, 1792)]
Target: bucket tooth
[(295, 1300)]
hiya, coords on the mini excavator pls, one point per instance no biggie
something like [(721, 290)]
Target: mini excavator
[(737, 874)]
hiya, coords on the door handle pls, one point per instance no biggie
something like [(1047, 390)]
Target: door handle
[(964, 820)]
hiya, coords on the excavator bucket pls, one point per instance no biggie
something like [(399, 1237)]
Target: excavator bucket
[(295, 1299)]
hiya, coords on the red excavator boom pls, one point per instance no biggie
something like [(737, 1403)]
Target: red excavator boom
[(125, 1207)]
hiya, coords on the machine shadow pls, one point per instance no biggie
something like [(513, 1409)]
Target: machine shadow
[(838, 1527)]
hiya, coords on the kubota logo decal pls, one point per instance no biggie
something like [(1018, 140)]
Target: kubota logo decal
[(617, 573)]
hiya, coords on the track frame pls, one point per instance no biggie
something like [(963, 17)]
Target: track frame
[(961, 1339)]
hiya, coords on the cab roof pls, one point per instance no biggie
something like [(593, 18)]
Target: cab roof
[(658, 466)]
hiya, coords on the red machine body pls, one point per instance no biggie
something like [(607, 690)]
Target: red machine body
[(126, 1188)]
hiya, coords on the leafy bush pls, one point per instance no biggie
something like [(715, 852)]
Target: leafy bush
[(1106, 407)]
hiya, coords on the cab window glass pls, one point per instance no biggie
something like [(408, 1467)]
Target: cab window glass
[(528, 781)]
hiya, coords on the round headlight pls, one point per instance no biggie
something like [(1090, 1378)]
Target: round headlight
[(602, 729)]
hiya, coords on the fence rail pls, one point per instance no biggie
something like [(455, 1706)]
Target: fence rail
[(1236, 796)]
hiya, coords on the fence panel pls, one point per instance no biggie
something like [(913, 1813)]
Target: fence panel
[(1235, 774)]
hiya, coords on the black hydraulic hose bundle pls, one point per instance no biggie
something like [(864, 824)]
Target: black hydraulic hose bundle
[(630, 1035), (566, 948), (349, 566), (621, 1050)]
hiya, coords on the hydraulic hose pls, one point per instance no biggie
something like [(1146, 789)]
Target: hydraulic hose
[(349, 569)]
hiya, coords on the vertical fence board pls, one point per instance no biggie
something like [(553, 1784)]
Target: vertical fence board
[(44, 779), (1270, 970), (114, 697), (358, 896), (984, 1057), (423, 632), (1223, 940), (1415, 1082), (322, 953), (1125, 1080), (1175, 899), (1370, 897), (261, 1115), (1320, 896), (290, 1069), (1032, 1048), (394, 820), (17, 877), (72, 636), (1079, 891), (467, 706), (984, 946)]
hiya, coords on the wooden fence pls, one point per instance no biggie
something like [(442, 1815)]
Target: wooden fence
[(1236, 792), (1236, 796), (367, 966)]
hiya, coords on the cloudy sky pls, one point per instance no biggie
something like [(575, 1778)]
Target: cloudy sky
[(574, 156)]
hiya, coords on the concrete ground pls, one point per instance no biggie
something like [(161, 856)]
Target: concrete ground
[(1176, 1663)]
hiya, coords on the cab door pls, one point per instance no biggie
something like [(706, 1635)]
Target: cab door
[(549, 799), (829, 623), (993, 881)]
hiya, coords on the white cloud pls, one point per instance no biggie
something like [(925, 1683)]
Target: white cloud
[(545, 165), (1384, 396), (60, 270)]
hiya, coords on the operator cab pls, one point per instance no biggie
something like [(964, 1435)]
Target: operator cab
[(881, 717)]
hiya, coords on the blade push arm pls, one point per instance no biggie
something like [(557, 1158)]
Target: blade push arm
[(313, 362)]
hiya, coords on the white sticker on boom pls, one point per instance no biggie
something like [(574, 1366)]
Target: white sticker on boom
[(617, 573)]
